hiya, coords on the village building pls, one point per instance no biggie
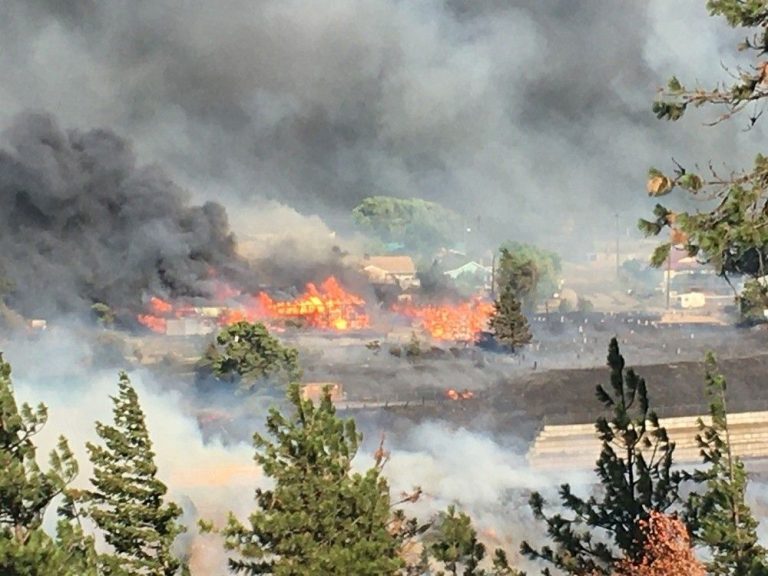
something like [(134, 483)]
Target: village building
[(476, 273), (397, 271)]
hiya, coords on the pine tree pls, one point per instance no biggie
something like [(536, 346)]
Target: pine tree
[(455, 546), (319, 518), (731, 234), (508, 324), (720, 516), (246, 353), (26, 492), (128, 501), (634, 471)]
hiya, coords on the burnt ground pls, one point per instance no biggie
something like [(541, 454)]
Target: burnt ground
[(515, 400), (553, 380), (518, 408), (675, 389)]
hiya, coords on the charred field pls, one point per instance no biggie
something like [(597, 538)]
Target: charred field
[(507, 395)]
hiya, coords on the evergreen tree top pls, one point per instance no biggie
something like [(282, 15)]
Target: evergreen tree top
[(719, 516), (128, 500), (320, 517), (636, 478), (25, 490), (26, 493)]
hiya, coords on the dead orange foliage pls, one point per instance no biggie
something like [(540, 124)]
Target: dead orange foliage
[(667, 550)]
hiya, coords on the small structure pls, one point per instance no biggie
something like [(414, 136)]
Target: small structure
[(391, 270), (692, 300), (474, 273), (314, 391)]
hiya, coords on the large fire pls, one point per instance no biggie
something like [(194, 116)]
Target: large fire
[(462, 321), (327, 306)]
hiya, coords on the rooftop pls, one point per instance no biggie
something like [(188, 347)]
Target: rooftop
[(392, 264)]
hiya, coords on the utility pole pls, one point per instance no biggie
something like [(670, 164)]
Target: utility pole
[(669, 274), (493, 276), (618, 235)]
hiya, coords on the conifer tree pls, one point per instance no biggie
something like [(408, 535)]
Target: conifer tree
[(128, 500), (508, 323), (26, 493), (635, 475), (319, 518), (731, 233), (456, 547), (246, 353), (720, 516)]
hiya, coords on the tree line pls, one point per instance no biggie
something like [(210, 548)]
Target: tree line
[(644, 516)]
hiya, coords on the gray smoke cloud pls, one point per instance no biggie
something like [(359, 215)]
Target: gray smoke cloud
[(524, 116), (81, 222)]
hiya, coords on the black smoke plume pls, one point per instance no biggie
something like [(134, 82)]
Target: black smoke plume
[(82, 222)]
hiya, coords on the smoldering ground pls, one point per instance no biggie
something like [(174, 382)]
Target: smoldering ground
[(493, 108)]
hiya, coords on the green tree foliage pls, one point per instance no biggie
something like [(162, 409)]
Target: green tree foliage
[(319, 518), (455, 546), (104, 314), (751, 302), (533, 271), (733, 235), (635, 475), (128, 500), (520, 275), (508, 323), (246, 353), (719, 516), (26, 492), (418, 225), (584, 305)]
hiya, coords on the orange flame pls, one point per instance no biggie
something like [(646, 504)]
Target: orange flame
[(456, 395), (327, 307), (158, 306), (154, 323), (451, 322)]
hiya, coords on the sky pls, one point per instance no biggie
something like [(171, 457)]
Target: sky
[(531, 118)]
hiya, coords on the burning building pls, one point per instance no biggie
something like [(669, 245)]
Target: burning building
[(324, 306)]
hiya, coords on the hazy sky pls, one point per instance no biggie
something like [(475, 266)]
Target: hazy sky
[(532, 115)]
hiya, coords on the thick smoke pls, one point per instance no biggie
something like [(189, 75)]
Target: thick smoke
[(493, 108), (81, 222)]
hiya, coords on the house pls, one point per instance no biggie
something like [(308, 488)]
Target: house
[(399, 271), (472, 270)]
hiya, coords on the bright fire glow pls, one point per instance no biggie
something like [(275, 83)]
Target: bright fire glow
[(462, 321), (456, 395), (328, 306)]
